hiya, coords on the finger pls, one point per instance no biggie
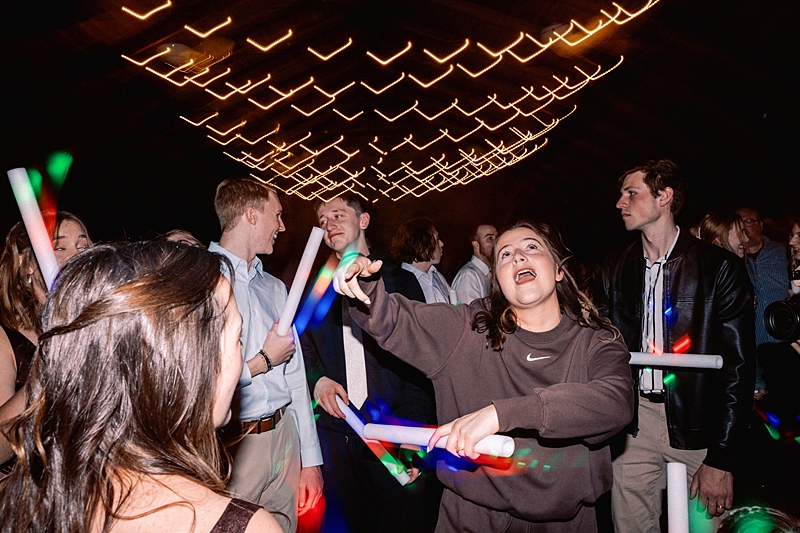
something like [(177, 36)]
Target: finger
[(312, 500), (343, 395), (441, 431), (374, 267), (358, 293), (693, 489), (414, 474)]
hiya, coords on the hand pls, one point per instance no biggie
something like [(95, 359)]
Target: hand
[(309, 490), (406, 455), (279, 349), (715, 490), (345, 279), (462, 433), (325, 392), (796, 345), (760, 393)]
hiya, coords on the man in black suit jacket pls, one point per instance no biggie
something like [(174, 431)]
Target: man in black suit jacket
[(360, 494)]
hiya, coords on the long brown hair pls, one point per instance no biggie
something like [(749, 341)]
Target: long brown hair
[(19, 306), (717, 225), (122, 384), (499, 319)]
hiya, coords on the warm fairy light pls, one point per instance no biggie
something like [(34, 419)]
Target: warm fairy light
[(222, 97), (309, 113), (426, 146), (171, 72), (440, 113), (250, 86), (459, 139), (337, 93), (204, 84), (149, 59), (348, 119), (327, 57), (379, 91), (426, 85), (449, 57), (476, 74), (385, 62), (225, 134), (377, 149), (186, 79), (416, 102), (226, 143), (284, 96), (270, 45), (203, 35), (504, 50), (470, 113), (149, 13), (490, 128), (216, 114)]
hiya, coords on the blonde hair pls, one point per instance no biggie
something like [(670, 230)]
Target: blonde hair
[(237, 194)]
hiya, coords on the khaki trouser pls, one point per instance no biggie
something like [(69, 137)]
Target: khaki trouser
[(640, 476), (266, 470)]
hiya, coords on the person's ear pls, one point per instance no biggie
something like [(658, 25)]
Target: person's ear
[(363, 221), (476, 248), (559, 273), (665, 196), (250, 215)]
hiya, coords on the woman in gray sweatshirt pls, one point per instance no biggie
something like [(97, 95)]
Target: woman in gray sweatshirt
[(533, 361)]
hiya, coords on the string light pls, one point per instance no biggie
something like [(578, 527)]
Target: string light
[(149, 13), (449, 57), (484, 71), (215, 78), (284, 96), (149, 59), (250, 86), (426, 85), (416, 102), (216, 114), (225, 134), (272, 44), (337, 93), (385, 62), (504, 50), (348, 119), (327, 57), (309, 113), (379, 91), (440, 113), (203, 35)]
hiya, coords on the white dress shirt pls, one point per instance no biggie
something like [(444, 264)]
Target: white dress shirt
[(434, 286), (260, 299), (472, 281), (652, 379)]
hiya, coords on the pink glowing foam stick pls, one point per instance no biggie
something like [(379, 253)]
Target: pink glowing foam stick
[(34, 224), (300, 279), (496, 445), (392, 465), (686, 360)]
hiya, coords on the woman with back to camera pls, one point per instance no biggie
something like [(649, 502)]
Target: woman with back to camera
[(534, 361), (135, 368)]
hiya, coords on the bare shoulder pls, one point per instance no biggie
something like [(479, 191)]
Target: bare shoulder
[(263, 522)]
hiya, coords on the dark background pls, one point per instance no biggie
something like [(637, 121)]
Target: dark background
[(711, 85)]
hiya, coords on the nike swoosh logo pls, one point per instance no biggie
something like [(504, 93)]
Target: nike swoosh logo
[(537, 358)]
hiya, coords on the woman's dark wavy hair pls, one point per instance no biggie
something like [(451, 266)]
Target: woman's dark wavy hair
[(122, 385), (499, 320), (414, 241)]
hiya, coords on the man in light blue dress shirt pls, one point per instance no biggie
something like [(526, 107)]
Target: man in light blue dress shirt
[(276, 464)]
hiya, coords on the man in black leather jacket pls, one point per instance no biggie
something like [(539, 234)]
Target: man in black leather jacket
[(669, 292)]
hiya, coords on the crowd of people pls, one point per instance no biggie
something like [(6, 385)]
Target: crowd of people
[(152, 388)]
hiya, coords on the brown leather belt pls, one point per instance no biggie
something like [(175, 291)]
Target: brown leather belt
[(262, 425), (653, 397)]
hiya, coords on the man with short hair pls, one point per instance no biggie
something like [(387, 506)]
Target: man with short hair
[(360, 494), (767, 266), (474, 280), (669, 292), (276, 464)]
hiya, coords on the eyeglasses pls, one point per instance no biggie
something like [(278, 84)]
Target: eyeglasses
[(750, 222)]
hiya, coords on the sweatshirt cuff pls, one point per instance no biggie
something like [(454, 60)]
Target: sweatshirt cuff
[(720, 458), (526, 412)]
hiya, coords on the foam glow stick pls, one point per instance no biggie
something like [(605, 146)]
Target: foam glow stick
[(394, 466), (497, 445), (687, 360), (34, 225), (677, 498), (300, 279)]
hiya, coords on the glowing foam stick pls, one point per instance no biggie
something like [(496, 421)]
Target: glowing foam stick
[(300, 278), (392, 465), (688, 360), (34, 224), (677, 498), (497, 445)]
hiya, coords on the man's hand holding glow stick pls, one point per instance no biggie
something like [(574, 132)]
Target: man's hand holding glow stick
[(300, 279), (34, 225)]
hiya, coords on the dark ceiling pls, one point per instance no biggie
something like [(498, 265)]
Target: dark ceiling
[(710, 84)]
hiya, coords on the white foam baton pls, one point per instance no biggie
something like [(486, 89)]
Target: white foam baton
[(496, 445), (300, 279), (34, 225), (394, 466), (677, 498), (688, 360)]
